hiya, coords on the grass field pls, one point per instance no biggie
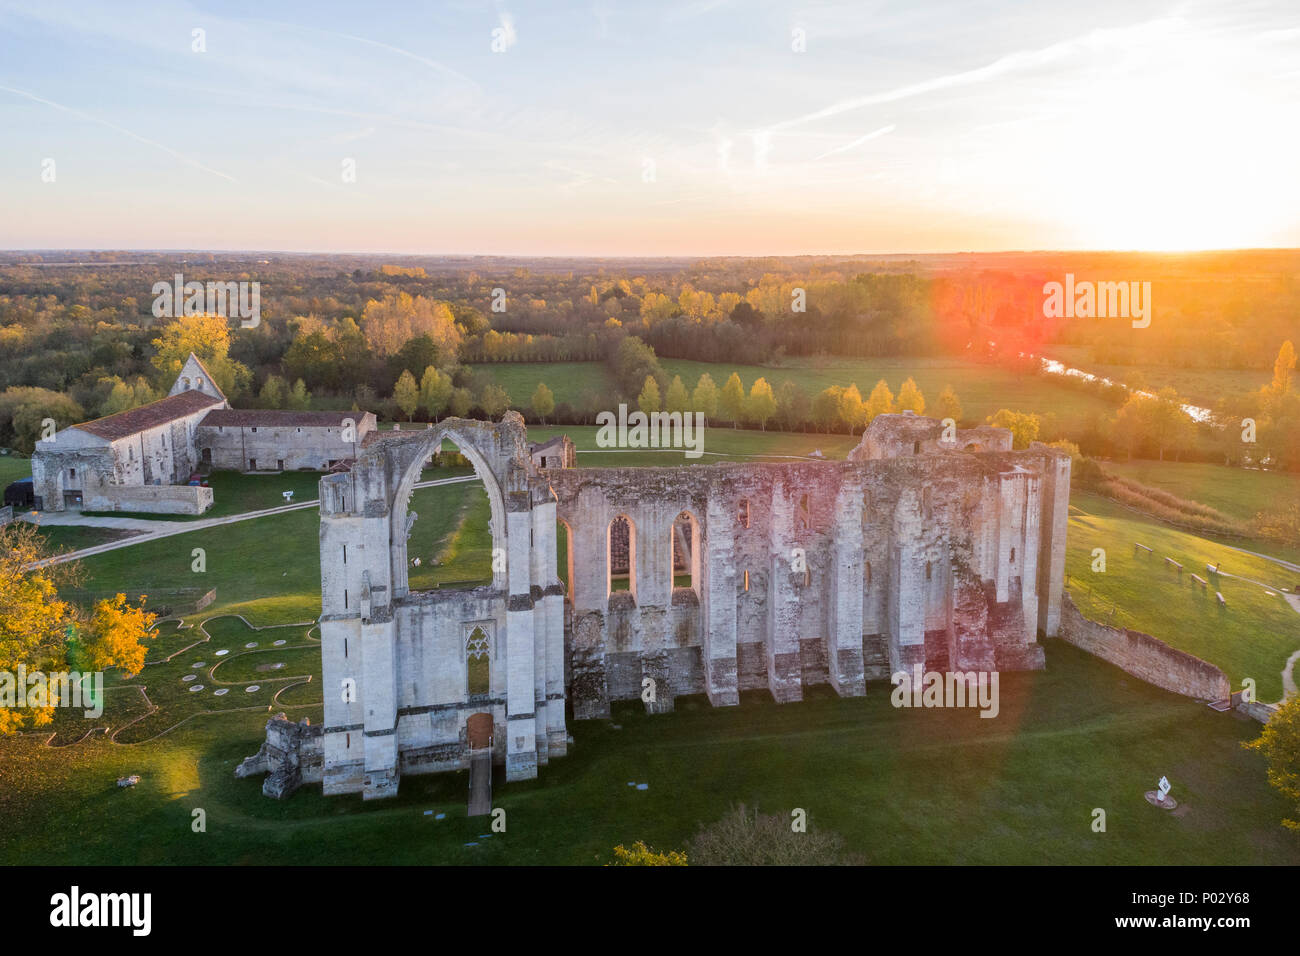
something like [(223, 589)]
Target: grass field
[(901, 786), (1238, 492), (982, 389), (1201, 386), (11, 469), (267, 568), (1251, 637)]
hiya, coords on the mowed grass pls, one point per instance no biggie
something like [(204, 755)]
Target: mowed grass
[(12, 468), (566, 380), (1251, 637), (267, 568), (902, 786)]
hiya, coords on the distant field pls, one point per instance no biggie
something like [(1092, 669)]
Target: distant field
[(1251, 637), (1239, 492), (1200, 386), (719, 444), (566, 380), (982, 389)]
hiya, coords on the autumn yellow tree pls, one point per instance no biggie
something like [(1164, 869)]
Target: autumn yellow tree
[(761, 405), (1279, 742), (208, 337), (543, 401), (910, 398), (391, 322), (407, 394), (37, 625), (704, 399), (879, 402), (732, 400), (648, 400)]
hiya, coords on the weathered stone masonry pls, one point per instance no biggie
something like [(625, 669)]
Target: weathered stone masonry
[(949, 554)]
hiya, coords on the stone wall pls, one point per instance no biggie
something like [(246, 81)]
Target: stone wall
[(1145, 657), (149, 499)]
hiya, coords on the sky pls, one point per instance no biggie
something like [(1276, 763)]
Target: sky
[(654, 128)]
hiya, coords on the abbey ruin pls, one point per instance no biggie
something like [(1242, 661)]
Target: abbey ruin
[(944, 549)]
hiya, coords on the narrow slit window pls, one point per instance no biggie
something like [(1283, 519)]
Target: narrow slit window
[(804, 514), (744, 512)]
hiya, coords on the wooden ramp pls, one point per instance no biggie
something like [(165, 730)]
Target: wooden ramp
[(478, 732), (480, 783)]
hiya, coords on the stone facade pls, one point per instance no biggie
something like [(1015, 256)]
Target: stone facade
[(105, 465), (922, 548), (279, 440)]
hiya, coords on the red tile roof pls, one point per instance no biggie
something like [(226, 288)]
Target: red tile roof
[(278, 418), (148, 416)]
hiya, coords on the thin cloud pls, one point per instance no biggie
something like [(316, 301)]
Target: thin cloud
[(189, 161), (883, 131)]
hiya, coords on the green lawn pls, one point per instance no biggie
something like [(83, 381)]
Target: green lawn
[(901, 786), (1251, 637), (12, 468), (566, 380)]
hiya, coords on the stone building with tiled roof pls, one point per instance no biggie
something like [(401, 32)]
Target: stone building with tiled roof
[(137, 460), (142, 459)]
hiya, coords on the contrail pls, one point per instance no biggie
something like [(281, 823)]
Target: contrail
[(857, 142), (113, 126)]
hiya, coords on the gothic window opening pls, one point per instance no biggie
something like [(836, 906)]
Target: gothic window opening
[(478, 663), (621, 555)]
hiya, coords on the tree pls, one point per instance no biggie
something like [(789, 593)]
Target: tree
[(435, 392), (118, 633), (762, 403), (24, 409), (120, 398), (677, 399), (742, 838), (1284, 368), (910, 397), (648, 400), (879, 402), (407, 394), (462, 400), (948, 405), (705, 397), (208, 337), (1023, 426), (391, 322), (299, 398), (1279, 742), (792, 406), (543, 401), (851, 410), (275, 391), (826, 407), (732, 400), (494, 401), (41, 632), (641, 855), (1134, 425)]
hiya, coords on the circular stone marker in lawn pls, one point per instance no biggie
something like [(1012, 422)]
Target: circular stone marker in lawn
[(1164, 803), (268, 667), (251, 688), (251, 644), (222, 653), (221, 692), (190, 677), (198, 664), (278, 643), (195, 687)]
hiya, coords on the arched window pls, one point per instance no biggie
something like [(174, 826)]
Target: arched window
[(621, 555), (929, 568), (684, 547), (478, 663)]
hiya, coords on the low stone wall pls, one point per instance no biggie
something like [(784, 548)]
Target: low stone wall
[(150, 499), (6, 515), (1145, 657), (291, 755)]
